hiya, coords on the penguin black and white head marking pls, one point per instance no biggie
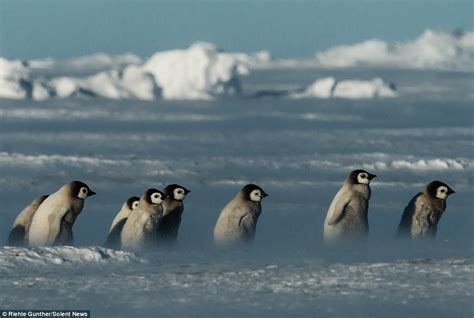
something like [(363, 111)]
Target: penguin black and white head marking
[(132, 202), (360, 176), (253, 193), (176, 192), (439, 190), (81, 190), (154, 196)]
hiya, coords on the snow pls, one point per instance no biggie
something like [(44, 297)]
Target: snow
[(12, 257), (350, 89)]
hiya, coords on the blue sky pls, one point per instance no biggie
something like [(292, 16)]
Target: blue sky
[(66, 28)]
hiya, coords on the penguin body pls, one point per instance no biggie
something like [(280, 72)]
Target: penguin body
[(173, 208), (19, 234), (113, 238), (347, 216), (422, 214), (139, 231), (237, 222), (52, 223)]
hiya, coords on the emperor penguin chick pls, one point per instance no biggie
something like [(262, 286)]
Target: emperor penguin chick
[(19, 234), (139, 231), (423, 212), (347, 218), (172, 210), (238, 220), (113, 238), (52, 223)]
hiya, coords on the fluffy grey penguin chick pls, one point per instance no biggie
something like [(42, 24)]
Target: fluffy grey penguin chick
[(52, 223), (423, 212), (172, 210), (237, 222), (19, 234), (347, 217), (139, 231), (113, 238)]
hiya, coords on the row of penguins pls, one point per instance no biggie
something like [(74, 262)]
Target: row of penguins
[(143, 222)]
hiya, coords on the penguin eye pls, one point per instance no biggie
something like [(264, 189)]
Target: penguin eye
[(442, 191), (84, 190)]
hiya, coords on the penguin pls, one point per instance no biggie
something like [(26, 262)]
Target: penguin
[(172, 210), (113, 238), (346, 218), (238, 220), (19, 234), (139, 231), (52, 223), (422, 214)]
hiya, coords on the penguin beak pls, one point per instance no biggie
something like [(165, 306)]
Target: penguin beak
[(264, 195), (450, 191), (91, 193), (371, 176), (186, 191)]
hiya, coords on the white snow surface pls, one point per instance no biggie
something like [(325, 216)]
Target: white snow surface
[(12, 257)]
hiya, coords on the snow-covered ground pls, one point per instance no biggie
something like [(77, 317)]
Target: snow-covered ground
[(298, 149)]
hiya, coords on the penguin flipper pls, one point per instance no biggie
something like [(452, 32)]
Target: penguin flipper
[(406, 222), (339, 205), (17, 236), (113, 239)]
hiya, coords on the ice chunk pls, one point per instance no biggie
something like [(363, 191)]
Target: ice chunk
[(431, 50), (351, 89), (200, 72)]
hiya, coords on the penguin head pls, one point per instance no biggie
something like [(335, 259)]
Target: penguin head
[(439, 189), (176, 192), (132, 202), (80, 190), (253, 193), (154, 196), (360, 176)]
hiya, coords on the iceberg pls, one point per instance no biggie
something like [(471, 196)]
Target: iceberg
[(200, 72), (351, 89), (432, 50), (16, 82), (131, 83)]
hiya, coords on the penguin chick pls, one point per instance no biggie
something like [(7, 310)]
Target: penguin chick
[(52, 223), (347, 215), (19, 234), (238, 220), (172, 210), (423, 212), (139, 231), (113, 238)]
